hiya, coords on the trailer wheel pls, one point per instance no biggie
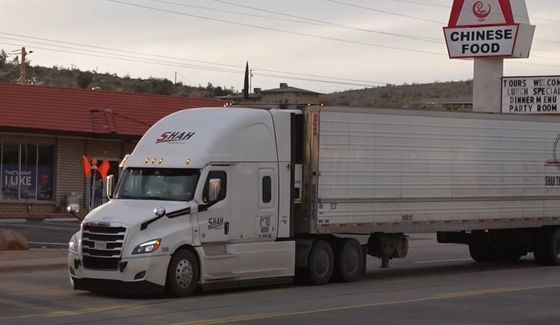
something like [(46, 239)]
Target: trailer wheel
[(511, 255), (182, 273), (480, 249), (321, 263), (350, 260), (547, 247)]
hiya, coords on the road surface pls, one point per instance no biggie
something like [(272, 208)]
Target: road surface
[(436, 284), (54, 233)]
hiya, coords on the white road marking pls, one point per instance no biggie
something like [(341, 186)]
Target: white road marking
[(443, 261)]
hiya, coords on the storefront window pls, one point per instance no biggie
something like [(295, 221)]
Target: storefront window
[(26, 172), (45, 163)]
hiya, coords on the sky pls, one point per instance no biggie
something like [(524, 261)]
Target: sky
[(320, 45)]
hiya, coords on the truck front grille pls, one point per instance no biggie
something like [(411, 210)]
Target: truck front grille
[(102, 246)]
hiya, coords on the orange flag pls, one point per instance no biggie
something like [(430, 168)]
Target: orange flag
[(103, 169), (87, 166)]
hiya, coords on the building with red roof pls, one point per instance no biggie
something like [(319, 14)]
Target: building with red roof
[(44, 132)]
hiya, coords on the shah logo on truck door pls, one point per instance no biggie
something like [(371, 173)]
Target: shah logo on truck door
[(215, 223), (174, 137)]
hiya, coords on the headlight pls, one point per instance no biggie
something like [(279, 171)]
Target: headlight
[(147, 247), (75, 243)]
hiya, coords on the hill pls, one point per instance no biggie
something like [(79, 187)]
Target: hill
[(404, 96), (75, 78)]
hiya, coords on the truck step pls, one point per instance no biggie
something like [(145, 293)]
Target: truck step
[(221, 276), (218, 257)]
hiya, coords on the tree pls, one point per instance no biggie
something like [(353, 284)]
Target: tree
[(84, 79), (3, 57)]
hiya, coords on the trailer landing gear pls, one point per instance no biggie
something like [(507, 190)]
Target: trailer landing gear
[(387, 246)]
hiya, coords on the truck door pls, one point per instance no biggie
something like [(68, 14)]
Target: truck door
[(266, 220), (214, 214)]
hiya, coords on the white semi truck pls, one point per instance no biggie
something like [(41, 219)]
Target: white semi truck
[(221, 197)]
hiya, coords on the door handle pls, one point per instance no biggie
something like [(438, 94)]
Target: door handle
[(226, 228)]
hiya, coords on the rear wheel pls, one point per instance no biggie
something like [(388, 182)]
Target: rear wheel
[(182, 274), (350, 260), (547, 247), (321, 263)]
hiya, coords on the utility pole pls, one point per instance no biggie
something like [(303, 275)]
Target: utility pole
[(246, 82), (250, 80), (23, 66)]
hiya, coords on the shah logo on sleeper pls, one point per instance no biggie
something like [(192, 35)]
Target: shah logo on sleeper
[(174, 136)]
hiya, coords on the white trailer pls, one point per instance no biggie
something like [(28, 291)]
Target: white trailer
[(222, 197)]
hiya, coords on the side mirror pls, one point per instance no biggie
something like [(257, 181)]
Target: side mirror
[(214, 186), (109, 185), (73, 208)]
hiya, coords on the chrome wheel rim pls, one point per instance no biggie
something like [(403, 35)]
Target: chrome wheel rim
[(184, 273)]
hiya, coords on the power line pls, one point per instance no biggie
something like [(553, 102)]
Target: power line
[(427, 4), (174, 3), (26, 39), (78, 51), (207, 69), (275, 29), (313, 21), (130, 59), (386, 12)]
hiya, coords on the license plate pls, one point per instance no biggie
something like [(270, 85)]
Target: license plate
[(100, 245)]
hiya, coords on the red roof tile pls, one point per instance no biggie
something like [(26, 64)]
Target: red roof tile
[(79, 111)]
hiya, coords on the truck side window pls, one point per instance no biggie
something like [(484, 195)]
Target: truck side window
[(223, 186), (266, 189)]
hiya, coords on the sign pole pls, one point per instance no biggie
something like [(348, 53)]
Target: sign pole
[(487, 85), (92, 195)]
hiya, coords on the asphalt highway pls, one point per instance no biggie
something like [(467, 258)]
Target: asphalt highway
[(435, 284)]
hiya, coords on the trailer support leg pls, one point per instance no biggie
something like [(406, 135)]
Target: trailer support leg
[(384, 262)]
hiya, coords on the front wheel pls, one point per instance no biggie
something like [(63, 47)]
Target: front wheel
[(182, 274)]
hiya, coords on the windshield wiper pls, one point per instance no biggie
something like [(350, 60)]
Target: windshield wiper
[(157, 198), (170, 215)]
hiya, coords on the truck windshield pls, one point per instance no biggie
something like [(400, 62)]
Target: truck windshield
[(157, 184)]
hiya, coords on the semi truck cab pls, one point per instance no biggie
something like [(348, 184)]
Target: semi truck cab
[(204, 198)]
